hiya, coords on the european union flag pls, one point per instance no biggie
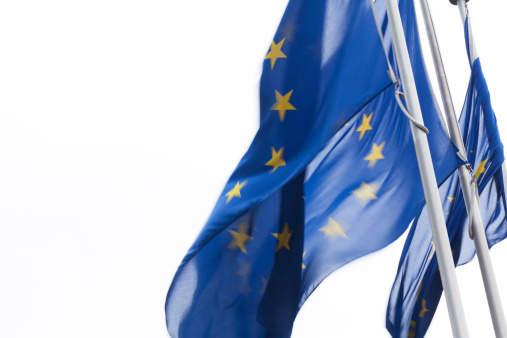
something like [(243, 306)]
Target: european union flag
[(418, 287), (330, 176)]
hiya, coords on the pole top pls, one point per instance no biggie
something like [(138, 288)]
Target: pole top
[(455, 2)]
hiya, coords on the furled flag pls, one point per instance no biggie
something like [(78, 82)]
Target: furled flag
[(418, 287), (330, 176)]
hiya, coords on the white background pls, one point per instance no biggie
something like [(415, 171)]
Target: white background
[(120, 122)]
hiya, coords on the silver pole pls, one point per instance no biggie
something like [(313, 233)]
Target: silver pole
[(481, 244), (429, 182)]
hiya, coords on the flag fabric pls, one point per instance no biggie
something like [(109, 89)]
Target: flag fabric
[(330, 176), (417, 288)]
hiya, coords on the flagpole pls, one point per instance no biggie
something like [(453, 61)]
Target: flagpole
[(429, 182), (479, 236)]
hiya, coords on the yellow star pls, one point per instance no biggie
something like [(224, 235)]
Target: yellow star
[(451, 199), (303, 264), (424, 309), (411, 333), (276, 159), (365, 125), (239, 238), (366, 192), (244, 271), (333, 229), (376, 154), (481, 169), (282, 104), (433, 251), (283, 238), (275, 52), (235, 192), (418, 290)]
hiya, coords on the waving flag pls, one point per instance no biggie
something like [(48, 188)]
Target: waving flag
[(333, 153), (418, 287)]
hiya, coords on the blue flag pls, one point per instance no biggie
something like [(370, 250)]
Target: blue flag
[(418, 287), (332, 154)]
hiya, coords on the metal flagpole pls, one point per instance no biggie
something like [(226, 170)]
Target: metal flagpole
[(479, 237), (429, 182)]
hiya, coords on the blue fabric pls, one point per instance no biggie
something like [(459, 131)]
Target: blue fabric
[(418, 287), (332, 154)]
